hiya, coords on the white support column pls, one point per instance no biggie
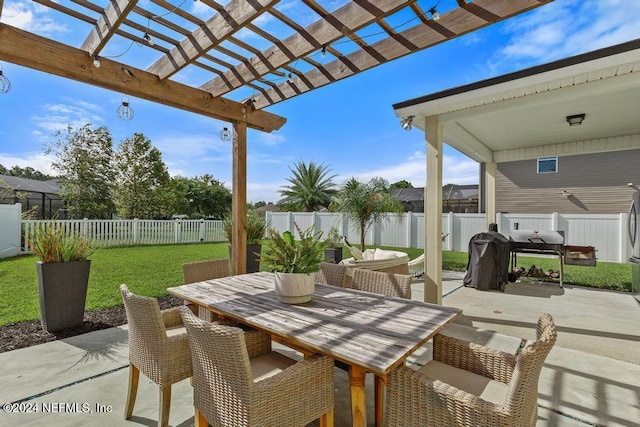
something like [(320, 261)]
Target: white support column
[(433, 213), (490, 171)]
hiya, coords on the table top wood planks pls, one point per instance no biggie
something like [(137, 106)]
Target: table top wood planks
[(369, 332)]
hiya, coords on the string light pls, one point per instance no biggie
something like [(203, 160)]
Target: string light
[(225, 134), (149, 40), (125, 112), (5, 84), (96, 61)]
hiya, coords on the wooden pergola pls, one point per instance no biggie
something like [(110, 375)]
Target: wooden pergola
[(246, 66)]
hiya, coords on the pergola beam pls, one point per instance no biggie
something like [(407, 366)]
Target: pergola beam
[(105, 28), (347, 19), (216, 30), (39, 53), (452, 24)]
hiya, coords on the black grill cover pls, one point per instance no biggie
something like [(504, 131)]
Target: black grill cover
[(488, 264)]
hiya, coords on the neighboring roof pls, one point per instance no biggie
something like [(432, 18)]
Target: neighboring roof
[(408, 195), (29, 185), (269, 207), (523, 114)]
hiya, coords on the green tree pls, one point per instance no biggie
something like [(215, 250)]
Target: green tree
[(311, 187), (84, 156), (401, 184), (209, 197), (141, 177), (366, 204)]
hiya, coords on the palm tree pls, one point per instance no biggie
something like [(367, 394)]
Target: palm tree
[(311, 188), (366, 204)]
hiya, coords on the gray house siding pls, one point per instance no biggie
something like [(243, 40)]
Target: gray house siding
[(594, 183)]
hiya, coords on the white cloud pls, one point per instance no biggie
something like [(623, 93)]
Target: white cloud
[(269, 139), (39, 161), (54, 117), (30, 17), (456, 170), (568, 27)]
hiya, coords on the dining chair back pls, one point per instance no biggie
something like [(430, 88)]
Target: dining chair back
[(377, 282), (331, 274), (158, 347), (232, 387), (200, 271)]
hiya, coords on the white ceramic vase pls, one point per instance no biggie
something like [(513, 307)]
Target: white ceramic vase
[(295, 288)]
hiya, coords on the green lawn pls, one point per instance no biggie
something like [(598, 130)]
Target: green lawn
[(149, 270)]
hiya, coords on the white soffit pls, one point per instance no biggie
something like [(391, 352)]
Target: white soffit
[(517, 117)]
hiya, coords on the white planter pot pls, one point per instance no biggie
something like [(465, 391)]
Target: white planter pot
[(295, 288)]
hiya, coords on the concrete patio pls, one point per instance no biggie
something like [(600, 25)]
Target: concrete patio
[(591, 377)]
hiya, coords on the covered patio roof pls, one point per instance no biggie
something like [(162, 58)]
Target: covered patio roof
[(523, 115), (239, 64)]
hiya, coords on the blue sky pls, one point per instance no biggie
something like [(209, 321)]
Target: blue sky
[(349, 126)]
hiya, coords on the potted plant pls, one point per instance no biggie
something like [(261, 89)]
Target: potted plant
[(294, 263), (333, 250), (63, 276), (256, 227)]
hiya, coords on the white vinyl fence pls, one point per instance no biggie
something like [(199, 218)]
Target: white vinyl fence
[(10, 217), (106, 233), (607, 233)]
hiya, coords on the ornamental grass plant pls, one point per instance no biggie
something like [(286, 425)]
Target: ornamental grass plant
[(53, 244)]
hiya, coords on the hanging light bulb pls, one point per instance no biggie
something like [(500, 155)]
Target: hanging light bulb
[(323, 52), (125, 112), (149, 40), (434, 13), (5, 84), (290, 78), (225, 134), (96, 61)]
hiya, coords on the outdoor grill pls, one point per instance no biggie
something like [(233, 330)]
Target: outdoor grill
[(537, 242)]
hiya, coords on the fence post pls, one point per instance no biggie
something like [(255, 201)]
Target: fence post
[(290, 220), (176, 231), (554, 221), (408, 217), (201, 231), (135, 231)]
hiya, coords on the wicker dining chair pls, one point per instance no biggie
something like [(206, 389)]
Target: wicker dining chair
[(200, 271), (235, 384), (193, 272), (331, 274), (158, 347), (378, 282), (471, 385)]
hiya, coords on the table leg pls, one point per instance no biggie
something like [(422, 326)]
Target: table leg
[(380, 385), (358, 401)]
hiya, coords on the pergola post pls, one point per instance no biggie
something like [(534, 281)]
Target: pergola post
[(490, 170), (433, 212), (239, 199)]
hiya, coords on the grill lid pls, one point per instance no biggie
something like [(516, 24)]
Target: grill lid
[(537, 236)]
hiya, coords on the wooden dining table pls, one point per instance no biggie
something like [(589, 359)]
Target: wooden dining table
[(368, 332)]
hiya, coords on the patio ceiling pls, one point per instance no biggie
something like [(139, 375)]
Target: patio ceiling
[(242, 56), (522, 115)]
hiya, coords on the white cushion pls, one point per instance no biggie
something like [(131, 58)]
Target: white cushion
[(383, 254), (483, 387), (268, 365), (368, 254), (175, 330)]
